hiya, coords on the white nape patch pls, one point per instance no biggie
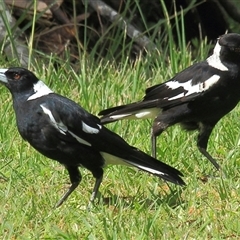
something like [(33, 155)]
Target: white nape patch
[(40, 90), (61, 127), (87, 129), (215, 61), (111, 159), (80, 139), (200, 87)]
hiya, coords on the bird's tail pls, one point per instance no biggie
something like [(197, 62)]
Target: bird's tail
[(136, 158), (151, 165), (137, 110)]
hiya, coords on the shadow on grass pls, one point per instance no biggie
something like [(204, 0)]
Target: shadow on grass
[(172, 200), (3, 178)]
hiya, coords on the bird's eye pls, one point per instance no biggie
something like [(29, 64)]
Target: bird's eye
[(16, 76)]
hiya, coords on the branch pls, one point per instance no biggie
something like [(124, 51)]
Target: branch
[(104, 10), (14, 46)]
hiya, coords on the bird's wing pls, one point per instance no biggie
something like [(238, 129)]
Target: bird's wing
[(186, 86), (73, 123)]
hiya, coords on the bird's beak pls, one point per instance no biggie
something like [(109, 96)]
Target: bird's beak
[(3, 77)]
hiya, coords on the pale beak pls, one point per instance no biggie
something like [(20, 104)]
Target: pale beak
[(3, 77)]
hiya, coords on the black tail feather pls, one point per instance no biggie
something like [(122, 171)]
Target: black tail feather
[(130, 109), (151, 165), (111, 110)]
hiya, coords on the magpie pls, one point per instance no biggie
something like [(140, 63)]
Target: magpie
[(196, 98), (62, 130)]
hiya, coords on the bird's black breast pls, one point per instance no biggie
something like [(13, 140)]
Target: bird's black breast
[(36, 127), (215, 104)]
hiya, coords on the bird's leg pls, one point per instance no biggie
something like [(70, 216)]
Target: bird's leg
[(157, 128), (154, 145), (210, 158), (95, 191), (204, 134), (75, 178)]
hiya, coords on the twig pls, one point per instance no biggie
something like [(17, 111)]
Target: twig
[(104, 10), (16, 49)]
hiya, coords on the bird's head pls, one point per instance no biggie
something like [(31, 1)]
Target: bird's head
[(230, 47), (17, 79), (22, 81)]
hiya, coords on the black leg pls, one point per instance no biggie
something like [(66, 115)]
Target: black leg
[(204, 134), (75, 178), (95, 191), (158, 127), (154, 145)]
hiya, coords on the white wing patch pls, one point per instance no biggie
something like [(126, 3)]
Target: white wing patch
[(40, 89), (80, 139), (215, 61), (87, 129), (190, 89), (58, 125), (208, 83), (61, 127)]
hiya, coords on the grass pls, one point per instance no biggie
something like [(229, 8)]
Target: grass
[(132, 204)]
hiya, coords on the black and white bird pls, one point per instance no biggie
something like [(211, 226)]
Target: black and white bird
[(62, 130), (196, 98)]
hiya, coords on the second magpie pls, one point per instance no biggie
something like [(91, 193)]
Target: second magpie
[(197, 98)]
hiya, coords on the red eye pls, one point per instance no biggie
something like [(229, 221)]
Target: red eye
[(16, 76)]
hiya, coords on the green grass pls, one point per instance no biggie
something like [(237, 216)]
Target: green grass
[(133, 204)]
